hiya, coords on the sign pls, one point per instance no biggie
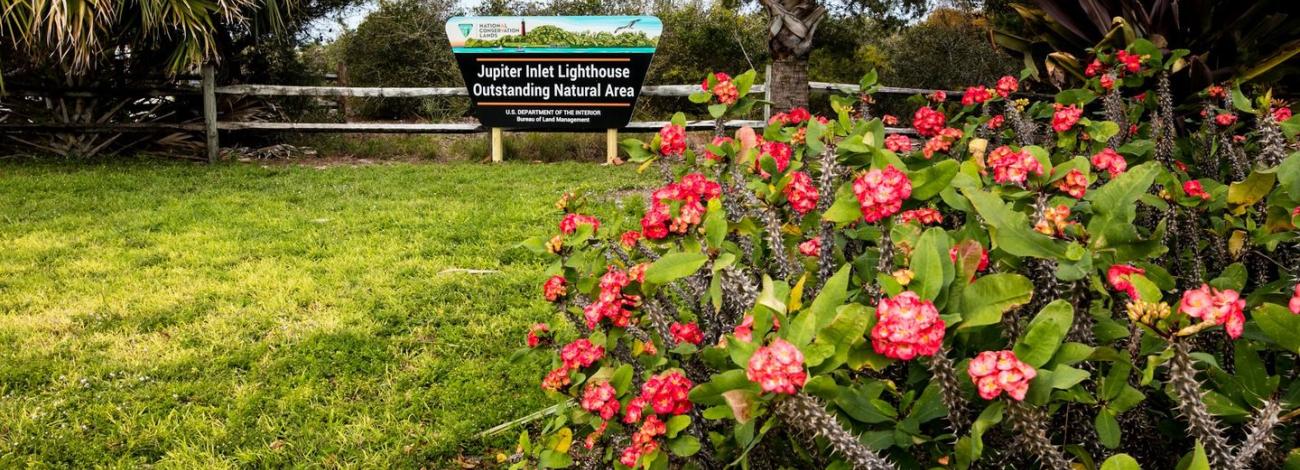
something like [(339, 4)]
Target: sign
[(554, 72)]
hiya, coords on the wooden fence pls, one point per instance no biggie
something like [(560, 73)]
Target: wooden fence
[(212, 126)]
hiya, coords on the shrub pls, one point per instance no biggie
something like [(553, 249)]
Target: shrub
[(1097, 278)]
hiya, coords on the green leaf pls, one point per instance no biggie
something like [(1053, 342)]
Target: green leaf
[(822, 311), (1240, 101), (715, 226), (552, 459), (1243, 194), (988, 297), (1045, 332), (717, 110), (849, 326), (928, 259), (674, 266), (1010, 229), (1107, 429), (1115, 202), (1199, 460), (684, 446), (700, 97), (1064, 377), (928, 182), (846, 207), (676, 424), (1279, 325), (1288, 174), (1120, 462)]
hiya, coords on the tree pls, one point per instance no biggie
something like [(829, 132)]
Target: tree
[(790, 40)]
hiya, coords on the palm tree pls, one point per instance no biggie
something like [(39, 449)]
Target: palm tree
[(790, 39)]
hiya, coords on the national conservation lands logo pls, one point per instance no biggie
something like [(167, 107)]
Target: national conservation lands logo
[(554, 72)]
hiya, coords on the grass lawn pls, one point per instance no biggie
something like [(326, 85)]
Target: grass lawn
[(238, 315)]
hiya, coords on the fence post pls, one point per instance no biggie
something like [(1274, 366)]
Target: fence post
[(611, 146), (341, 79), (498, 147), (767, 92), (210, 111)]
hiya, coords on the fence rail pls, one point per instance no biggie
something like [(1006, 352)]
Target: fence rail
[(211, 125)]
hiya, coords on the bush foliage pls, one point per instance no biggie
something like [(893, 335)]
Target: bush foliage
[(1097, 280)]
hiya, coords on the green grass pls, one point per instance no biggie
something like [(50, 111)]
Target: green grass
[(192, 316)]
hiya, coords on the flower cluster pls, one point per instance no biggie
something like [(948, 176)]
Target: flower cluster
[(1054, 221), (976, 95), (643, 441), (780, 153), (793, 117), (923, 216), (941, 143), (1131, 63), (811, 247), (629, 238), (1193, 188), (612, 303), (600, 399), (881, 193), (672, 140), (718, 141), (686, 333), (898, 143), (928, 121), (1225, 119), (581, 353), (1075, 183), (1065, 117), (1007, 85), (724, 88), (777, 368), (554, 288), (538, 334), (1118, 277), (801, 192), (689, 195), (906, 327), (1010, 166), (1214, 306), (571, 222), (994, 372), (666, 393), (1110, 161), (995, 122)]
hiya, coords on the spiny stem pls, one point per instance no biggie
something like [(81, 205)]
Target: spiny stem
[(807, 414), (1191, 405)]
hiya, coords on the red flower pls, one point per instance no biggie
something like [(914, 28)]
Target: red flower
[(923, 216), (898, 143), (570, 223), (994, 372), (1110, 161), (1065, 117), (1094, 68), (600, 399), (1075, 183), (554, 288), (1007, 85), (942, 142), (629, 238), (581, 353), (812, 247), (780, 153), (1217, 92), (672, 140), (777, 368), (1193, 188), (938, 96), (1220, 307), (724, 89), (1225, 119), (1118, 277), (745, 330), (635, 408), (975, 95), (995, 122), (718, 141), (984, 258), (1107, 82), (666, 393), (556, 379), (881, 192), (801, 193), (1010, 166), (686, 333), (689, 196), (1132, 62), (907, 327), (1294, 304), (889, 120), (537, 333), (928, 122), (1281, 113)]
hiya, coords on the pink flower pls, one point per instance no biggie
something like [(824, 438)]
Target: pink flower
[(928, 122), (907, 327), (672, 140), (942, 142), (1110, 161), (1118, 277), (1193, 188), (570, 223), (889, 120), (1281, 113), (777, 368), (1075, 183), (801, 193), (634, 410), (1007, 85), (629, 238), (1220, 307), (1225, 119), (745, 330), (881, 193), (1107, 82), (1216, 91), (793, 117), (686, 333), (984, 258), (600, 399), (994, 372), (1065, 117), (666, 393), (637, 272), (724, 89), (938, 96), (923, 216), (1010, 166), (554, 288), (689, 195), (537, 333), (718, 141), (581, 353), (995, 122), (898, 143), (811, 247), (556, 379), (1294, 304), (1094, 68), (975, 95), (780, 153)]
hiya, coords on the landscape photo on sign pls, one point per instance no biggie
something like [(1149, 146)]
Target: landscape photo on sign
[(554, 72)]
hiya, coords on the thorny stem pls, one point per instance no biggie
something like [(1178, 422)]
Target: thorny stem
[(1028, 425), (1259, 433), (1191, 405), (944, 374), (808, 415)]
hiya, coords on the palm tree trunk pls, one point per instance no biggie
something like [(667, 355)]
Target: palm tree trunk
[(790, 38), (789, 84)]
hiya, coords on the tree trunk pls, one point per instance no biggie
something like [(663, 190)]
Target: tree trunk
[(789, 84)]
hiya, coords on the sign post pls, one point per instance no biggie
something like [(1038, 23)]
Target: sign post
[(554, 73)]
